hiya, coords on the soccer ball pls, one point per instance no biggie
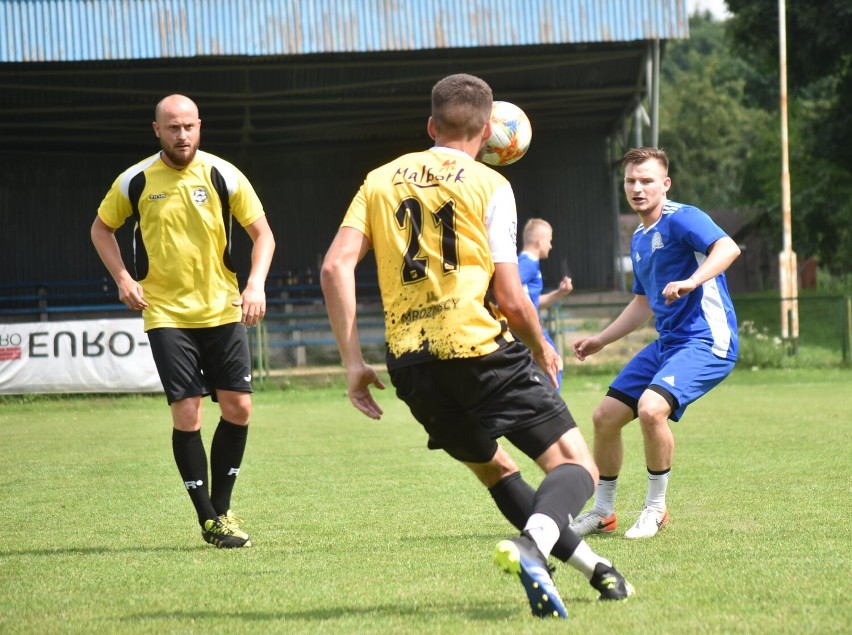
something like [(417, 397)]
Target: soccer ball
[(511, 134)]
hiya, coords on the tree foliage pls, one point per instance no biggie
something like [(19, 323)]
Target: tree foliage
[(819, 81), (707, 126), (720, 118)]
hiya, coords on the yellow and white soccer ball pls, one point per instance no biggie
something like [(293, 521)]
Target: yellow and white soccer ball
[(511, 133)]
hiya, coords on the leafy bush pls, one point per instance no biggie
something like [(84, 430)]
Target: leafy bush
[(759, 349)]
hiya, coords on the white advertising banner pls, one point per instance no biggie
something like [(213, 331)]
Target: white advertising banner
[(76, 356)]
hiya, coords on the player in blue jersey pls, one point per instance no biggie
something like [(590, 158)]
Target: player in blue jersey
[(679, 257), (538, 241)]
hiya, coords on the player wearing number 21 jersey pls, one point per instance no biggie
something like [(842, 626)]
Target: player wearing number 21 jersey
[(426, 205), (443, 230)]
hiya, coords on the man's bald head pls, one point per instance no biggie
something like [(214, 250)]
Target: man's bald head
[(178, 127)]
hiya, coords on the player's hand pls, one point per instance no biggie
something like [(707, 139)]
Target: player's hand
[(547, 359), (586, 346), (359, 380), (678, 289), (565, 286), (253, 303), (131, 294)]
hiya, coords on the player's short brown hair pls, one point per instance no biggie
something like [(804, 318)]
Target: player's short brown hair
[(640, 155), (461, 105)]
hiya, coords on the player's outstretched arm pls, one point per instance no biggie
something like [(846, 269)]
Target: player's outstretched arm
[(338, 286), (547, 300), (631, 318)]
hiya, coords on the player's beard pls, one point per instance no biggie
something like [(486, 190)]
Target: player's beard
[(182, 159)]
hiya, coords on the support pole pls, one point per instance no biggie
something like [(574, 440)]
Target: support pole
[(655, 95), (787, 270)]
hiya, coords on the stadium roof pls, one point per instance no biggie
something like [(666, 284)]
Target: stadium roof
[(83, 76)]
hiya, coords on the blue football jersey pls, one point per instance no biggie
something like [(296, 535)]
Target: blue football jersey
[(529, 269), (670, 250)]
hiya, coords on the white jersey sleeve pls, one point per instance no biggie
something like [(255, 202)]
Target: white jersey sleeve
[(501, 223)]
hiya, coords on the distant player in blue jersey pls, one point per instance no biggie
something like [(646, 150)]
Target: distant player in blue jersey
[(538, 241), (679, 257)]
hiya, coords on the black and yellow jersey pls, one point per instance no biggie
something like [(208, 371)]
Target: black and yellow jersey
[(427, 216), (182, 236)]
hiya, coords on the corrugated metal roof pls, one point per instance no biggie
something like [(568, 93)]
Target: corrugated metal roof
[(70, 30)]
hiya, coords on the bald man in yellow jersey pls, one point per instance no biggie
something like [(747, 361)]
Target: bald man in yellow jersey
[(182, 201), (443, 229)]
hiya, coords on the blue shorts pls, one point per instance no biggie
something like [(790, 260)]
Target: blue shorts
[(686, 371)]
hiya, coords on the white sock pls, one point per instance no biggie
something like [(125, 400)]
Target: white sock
[(584, 560), (544, 531), (605, 498), (657, 485)]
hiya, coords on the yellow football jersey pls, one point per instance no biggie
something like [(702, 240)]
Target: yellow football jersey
[(425, 216), (182, 236)]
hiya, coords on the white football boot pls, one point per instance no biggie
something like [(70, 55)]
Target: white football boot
[(650, 521)]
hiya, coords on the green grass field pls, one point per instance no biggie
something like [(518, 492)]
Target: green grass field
[(359, 529)]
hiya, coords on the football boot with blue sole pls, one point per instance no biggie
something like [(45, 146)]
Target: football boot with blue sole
[(521, 557)]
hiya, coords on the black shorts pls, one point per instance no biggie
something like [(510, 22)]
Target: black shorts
[(194, 362), (466, 404)]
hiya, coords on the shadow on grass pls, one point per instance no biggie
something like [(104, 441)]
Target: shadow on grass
[(96, 551), (474, 611)]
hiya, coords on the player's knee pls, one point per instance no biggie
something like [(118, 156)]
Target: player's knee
[(186, 414), (606, 419), (502, 462), (571, 447), (592, 469), (653, 410), (599, 417), (491, 473), (237, 410)]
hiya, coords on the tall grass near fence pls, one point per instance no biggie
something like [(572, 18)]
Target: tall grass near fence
[(823, 338)]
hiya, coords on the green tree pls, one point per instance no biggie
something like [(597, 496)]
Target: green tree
[(707, 125), (819, 66), (720, 120)]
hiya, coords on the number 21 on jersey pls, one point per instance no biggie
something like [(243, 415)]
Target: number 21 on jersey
[(410, 218)]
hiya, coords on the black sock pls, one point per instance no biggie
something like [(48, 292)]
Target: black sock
[(226, 455), (561, 496), (515, 499), (192, 464), (566, 545), (563, 493)]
